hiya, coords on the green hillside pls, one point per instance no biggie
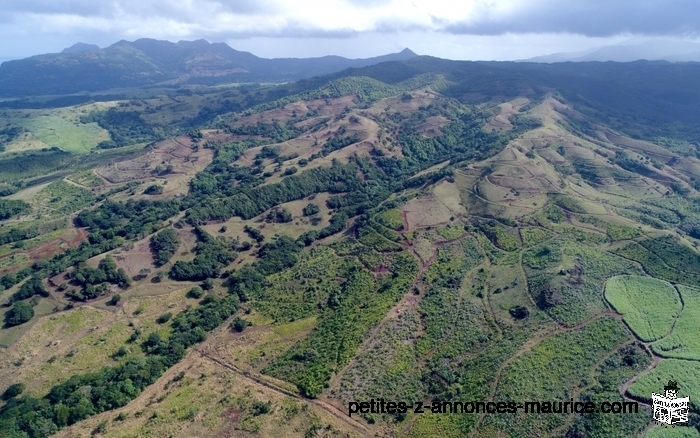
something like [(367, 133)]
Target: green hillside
[(250, 261)]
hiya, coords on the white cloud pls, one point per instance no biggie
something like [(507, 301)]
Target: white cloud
[(436, 23)]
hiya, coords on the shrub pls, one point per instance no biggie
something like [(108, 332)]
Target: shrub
[(519, 312), (196, 293), (153, 189), (208, 284), (260, 408), (162, 319), (13, 391), (239, 324)]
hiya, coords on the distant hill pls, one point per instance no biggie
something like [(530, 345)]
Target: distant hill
[(631, 50), (147, 61), (81, 47)]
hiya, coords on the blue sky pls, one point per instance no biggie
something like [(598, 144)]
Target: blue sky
[(469, 29)]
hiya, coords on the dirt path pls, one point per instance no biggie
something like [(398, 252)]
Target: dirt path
[(625, 387), (329, 408)]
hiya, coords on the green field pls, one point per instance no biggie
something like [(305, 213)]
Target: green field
[(683, 342), (533, 236), (391, 219), (62, 197), (663, 431), (60, 128), (649, 306), (551, 370), (686, 373)]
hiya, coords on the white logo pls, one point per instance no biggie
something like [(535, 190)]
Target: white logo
[(668, 408)]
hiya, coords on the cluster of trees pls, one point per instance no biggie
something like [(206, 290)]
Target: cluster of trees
[(31, 287), (279, 215), (623, 160), (9, 133), (161, 170), (339, 141), (273, 257), (268, 152), (7, 189), (164, 245), (24, 232), (212, 255), (337, 224), (24, 165), (248, 199), (20, 313), (95, 281), (254, 233), (311, 209), (9, 208), (153, 189), (125, 127)]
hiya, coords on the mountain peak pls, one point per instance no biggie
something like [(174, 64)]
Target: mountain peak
[(81, 47)]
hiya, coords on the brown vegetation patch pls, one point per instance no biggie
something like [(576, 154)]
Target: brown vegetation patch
[(72, 238), (178, 152), (500, 122), (135, 257), (643, 147), (432, 127), (324, 107), (551, 156)]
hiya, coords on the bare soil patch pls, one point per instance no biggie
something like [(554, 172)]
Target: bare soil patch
[(177, 152)]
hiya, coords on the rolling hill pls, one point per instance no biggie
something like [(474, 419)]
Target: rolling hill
[(420, 231)]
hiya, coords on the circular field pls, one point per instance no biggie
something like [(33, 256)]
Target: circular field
[(648, 305)]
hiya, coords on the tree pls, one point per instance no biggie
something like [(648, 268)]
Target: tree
[(20, 313)]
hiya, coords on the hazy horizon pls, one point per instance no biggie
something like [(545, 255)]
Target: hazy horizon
[(497, 30)]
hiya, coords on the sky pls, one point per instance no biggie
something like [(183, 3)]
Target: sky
[(465, 29)]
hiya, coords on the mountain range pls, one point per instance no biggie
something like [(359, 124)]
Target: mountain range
[(85, 67), (655, 49)]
